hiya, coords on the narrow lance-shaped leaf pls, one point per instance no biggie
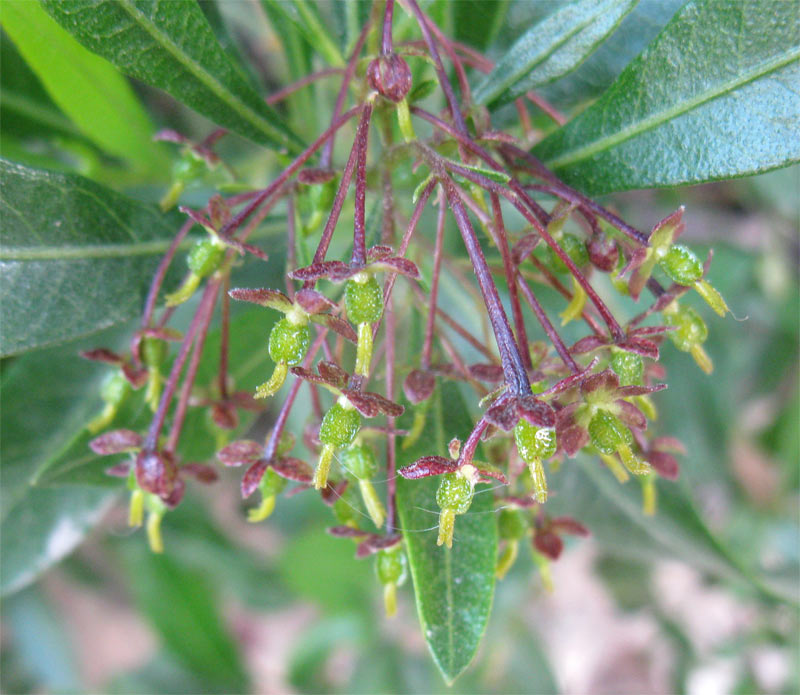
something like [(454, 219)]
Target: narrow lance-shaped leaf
[(85, 87), (79, 253), (453, 587), (552, 48), (170, 45), (714, 96)]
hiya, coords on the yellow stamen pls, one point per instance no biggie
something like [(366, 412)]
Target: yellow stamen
[(186, 290), (632, 462), (575, 308), (390, 599), (153, 392), (702, 358), (271, 387), (404, 120), (154, 532), (447, 522), (136, 509), (544, 571), (507, 558), (364, 349), (615, 467), (103, 420), (539, 481), (323, 467), (649, 495), (262, 511), (713, 298), (372, 502)]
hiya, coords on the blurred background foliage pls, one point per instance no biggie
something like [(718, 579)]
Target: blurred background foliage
[(642, 606)]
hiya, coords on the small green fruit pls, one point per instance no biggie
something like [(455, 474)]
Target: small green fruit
[(115, 388), (364, 300), (205, 257), (153, 351), (339, 426), (628, 366), (288, 342), (690, 328), (681, 265), (391, 566), (608, 433), (534, 443), (455, 493)]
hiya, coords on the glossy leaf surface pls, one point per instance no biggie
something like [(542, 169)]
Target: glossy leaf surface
[(170, 45), (79, 253), (714, 96), (552, 48)]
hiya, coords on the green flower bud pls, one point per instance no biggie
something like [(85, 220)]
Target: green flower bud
[(364, 300), (455, 492), (628, 366), (339, 426), (574, 248), (690, 328), (288, 342), (153, 351), (511, 524), (681, 265), (205, 257), (534, 442), (608, 433), (391, 566), (360, 461), (115, 388)]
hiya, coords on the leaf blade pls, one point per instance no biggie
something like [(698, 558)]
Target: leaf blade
[(454, 588), (171, 46), (79, 252), (552, 48), (85, 87), (652, 126)]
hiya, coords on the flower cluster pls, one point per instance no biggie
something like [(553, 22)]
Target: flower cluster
[(543, 402)]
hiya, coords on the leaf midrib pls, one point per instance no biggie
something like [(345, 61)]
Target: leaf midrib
[(197, 70), (678, 109)]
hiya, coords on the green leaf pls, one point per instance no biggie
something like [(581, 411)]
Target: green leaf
[(477, 22), (79, 253), (184, 609), (44, 528), (306, 20), (169, 44), (552, 48), (86, 87), (454, 588), (714, 96)]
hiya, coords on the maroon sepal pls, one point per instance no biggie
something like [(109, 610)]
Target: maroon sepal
[(274, 299), (566, 524), (252, 477), (427, 466), (156, 472), (201, 472), (312, 176), (548, 544), (293, 469), (116, 442), (313, 302), (334, 323), (241, 452), (492, 373), (372, 404), (375, 543)]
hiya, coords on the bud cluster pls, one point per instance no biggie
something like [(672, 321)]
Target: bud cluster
[(340, 326)]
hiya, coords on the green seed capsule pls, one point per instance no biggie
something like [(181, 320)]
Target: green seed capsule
[(511, 524), (339, 426), (681, 265), (205, 257), (153, 351), (628, 366), (360, 461), (115, 388), (364, 300), (690, 328), (288, 342), (455, 493), (189, 168), (391, 566), (574, 248), (534, 443), (608, 433)]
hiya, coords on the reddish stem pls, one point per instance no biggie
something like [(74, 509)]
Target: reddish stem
[(281, 94), (427, 345), (359, 258), (386, 36), (224, 349)]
